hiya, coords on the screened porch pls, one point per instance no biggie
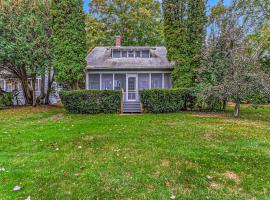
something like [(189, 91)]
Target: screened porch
[(130, 83)]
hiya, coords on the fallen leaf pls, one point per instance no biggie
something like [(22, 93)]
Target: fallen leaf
[(17, 188), (28, 198)]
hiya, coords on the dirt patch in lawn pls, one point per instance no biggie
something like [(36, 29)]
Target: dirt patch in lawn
[(209, 136), (29, 109), (264, 105), (165, 163), (215, 186), (232, 176), (57, 117), (210, 115)]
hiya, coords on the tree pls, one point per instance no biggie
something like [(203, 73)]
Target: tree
[(256, 14), (68, 40), (137, 22), (94, 33), (231, 69), (25, 40), (184, 30)]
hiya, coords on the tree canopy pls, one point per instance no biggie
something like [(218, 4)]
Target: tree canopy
[(137, 22), (231, 68)]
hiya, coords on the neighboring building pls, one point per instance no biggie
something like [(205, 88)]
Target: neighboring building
[(9, 83), (130, 69)]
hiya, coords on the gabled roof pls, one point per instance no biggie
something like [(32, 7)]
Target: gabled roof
[(100, 58)]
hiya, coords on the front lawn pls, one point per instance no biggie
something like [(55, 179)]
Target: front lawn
[(55, 155)]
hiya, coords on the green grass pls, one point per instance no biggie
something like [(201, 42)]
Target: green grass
[(135, 156)]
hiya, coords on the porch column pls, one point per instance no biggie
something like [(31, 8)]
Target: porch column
[(5, 85), (113, 82), (150, 80), (87, 81), (100, 82), (163, 81)]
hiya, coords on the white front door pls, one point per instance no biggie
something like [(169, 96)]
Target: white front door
[(132, 89)]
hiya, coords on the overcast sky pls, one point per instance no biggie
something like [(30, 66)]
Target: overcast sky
[(210, 2)]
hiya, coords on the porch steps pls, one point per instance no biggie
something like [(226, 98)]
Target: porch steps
[(132, 107)]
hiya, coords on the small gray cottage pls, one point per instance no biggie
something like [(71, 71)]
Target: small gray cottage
[(10, 83), (130, 69)]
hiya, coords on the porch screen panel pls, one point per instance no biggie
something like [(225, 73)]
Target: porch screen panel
[(167, 81), (94, 81), (156, 80), (107, 81), (143, 81), (120, 81)]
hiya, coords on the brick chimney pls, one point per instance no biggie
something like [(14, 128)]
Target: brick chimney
[(118, 41)]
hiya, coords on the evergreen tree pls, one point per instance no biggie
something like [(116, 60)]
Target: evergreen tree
[(25, 43), (184, 30), (69, 46)]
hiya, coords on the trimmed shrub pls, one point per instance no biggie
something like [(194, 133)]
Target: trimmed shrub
[(5, 99), (91, 101), (166, 100)]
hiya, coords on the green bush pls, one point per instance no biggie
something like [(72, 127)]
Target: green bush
[(209, 103), (91, 101), (5, 99), (166, 100), (206, 100)]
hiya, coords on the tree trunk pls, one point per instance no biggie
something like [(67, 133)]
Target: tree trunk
[(236, 111), (40, 99), (224, 106), (26, 91), (49, 89)]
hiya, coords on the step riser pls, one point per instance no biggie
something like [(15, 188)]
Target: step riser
[(132, 107)]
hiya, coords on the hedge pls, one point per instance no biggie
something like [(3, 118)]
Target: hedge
[(91, 101), (6, 99), (166, 100)]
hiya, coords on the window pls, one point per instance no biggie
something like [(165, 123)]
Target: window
[(137, 54), (124, 54), (145, 54), (17, 86), (116, 53), (38, 83), (120, 82), (130, 54), (167, 81), (156, 80), (94, 81), (9, 87), (2, 84), (107, 81), (143, 81)]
